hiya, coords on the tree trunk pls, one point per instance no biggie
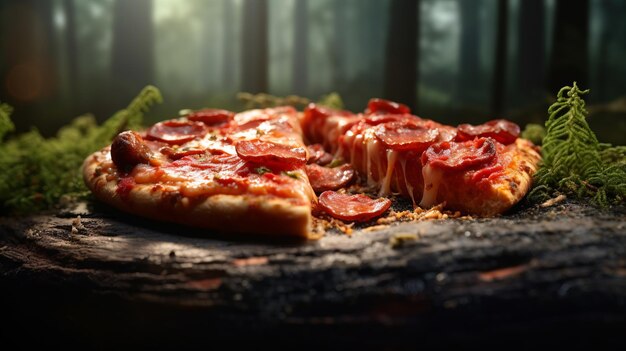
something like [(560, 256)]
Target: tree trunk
[(301, 48), (610, 12), (370, 41), (532, 52), (569, 57), (228, 54), (469, 70), (132, 61), (499, 73), (401, 61), (71, 50), (339, 43), (254, 51), (29, 74)]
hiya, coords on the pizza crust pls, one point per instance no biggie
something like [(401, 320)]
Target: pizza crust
[(243, 214), (499, 195)]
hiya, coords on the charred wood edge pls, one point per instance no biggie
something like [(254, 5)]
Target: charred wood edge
[(536, 266)]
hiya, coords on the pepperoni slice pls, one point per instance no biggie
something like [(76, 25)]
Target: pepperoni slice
[(406, 135), (487, 172), (446, 133), (176, 132), (375, 120), (220, 164), (211, 116), (501, 130), (314, 111), (375, 106), (267, 152), (452, 155), (359, 208), (324, 178), (318, 155)]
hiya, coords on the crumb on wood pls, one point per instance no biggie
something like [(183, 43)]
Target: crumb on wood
[(375, 227), (554, 201), (419, 214), (322, 222), (402, 239), (77, 225)]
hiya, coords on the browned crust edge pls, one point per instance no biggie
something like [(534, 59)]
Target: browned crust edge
[(262, 216), (502, 195)]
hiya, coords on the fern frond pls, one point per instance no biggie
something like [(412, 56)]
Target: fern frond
[(574, 161), (132, 116)]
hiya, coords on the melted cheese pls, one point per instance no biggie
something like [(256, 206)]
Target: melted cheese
[(409, 187), (330, 131), (432, 180), (371, 164), (358, 140), (372, 159), (370, 154), (392, 158), (347, 143)]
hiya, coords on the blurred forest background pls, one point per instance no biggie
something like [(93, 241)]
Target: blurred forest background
[(450, 60)]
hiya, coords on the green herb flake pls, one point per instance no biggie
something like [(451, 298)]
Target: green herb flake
[(262, 170), (292, 174), (185, 112), (336, 163)]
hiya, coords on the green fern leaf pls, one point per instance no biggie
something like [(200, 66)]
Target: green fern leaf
[(574, 161)]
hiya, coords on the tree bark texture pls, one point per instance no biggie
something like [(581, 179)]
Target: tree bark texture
[(549, 276)]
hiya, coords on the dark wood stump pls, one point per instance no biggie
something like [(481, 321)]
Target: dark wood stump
[(552, 274)]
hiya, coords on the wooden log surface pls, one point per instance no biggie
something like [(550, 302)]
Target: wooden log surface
[(555, 274)]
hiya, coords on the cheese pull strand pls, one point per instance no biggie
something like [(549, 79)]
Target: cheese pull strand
[(392, 157), (432, 180)]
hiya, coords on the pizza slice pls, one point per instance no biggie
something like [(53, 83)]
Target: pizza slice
[(482, 170), (212, 169)]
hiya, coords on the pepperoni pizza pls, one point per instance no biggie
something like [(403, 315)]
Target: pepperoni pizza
[(259, 171)]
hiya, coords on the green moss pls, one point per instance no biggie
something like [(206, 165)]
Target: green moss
[(534, 132), (574, 162), (332, 100), (6, 125), (38, 172)]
